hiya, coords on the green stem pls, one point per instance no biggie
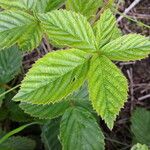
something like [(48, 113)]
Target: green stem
[(5, 137), (133, 20), (8, 91)]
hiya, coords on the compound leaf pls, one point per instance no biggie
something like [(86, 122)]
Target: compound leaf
[(54, 77), (141, 125), (84, 7), (139, 147), (79, 130), (106, 28), (10, 63), (107, 88), (14, 25), (50, 133), (127, 47), (18, 143), (69, 29)]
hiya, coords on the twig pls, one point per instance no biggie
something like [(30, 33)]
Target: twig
[(130, 75), (144, 97), (135, 2)]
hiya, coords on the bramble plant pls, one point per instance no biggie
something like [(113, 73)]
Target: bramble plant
[(50, 88)]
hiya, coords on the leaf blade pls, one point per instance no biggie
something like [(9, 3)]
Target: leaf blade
[(66, 71), (13, 24), (79, 130), (10, 63), (86, 8), (127, 47), (106, 28), (69, 29), (104, 89), (140, 125)]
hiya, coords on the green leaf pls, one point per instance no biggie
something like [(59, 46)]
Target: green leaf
[(107, 88), (84, 7), (69, 29), (18, 4), (106, 28), (54, 77), (127, 47), (16, 113), (50, 111), (18, 143), (17, 130), (50, 133), (31, 38), (48, 5), (79, 130), (38, 6), (10, 63), (139, 147), (14, 25), (141, 125)]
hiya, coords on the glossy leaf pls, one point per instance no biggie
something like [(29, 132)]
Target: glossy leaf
[(107, 88), (10, 63), (140, 127), (106, 28), (54, 77), (127, 47), (86, 8), (69, 29), (50, 133), (79, 130)]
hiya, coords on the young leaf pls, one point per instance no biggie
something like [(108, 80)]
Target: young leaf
[(14, 25), (54, 77), (18, 143), (107, 88), (86, 8), (50, 133), (79, 130), (10, 63), (106, 28), (127, 47), (141, 125), (139, 147), (69, 29)]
